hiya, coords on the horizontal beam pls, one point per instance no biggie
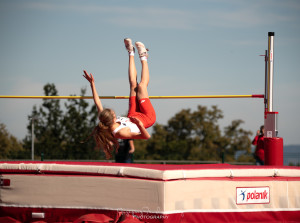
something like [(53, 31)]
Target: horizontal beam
[(126, 97)]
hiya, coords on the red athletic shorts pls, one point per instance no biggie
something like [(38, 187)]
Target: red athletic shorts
[(143, 110)]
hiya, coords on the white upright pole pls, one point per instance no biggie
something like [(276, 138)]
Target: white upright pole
[(270, 71), (266, 81), (270, 116), (273, 145)]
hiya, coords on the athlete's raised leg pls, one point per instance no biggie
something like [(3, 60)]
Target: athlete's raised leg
[(142, 91), (132, 73)]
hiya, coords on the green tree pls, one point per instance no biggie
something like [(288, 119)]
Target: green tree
[(78, 124), (207, 134), (236, 140), (59, 133), (47, 127), (156, 147), (10, 147)]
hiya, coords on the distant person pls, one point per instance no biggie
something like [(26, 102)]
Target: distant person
[(258, 141), (125, 152), (141, 114)]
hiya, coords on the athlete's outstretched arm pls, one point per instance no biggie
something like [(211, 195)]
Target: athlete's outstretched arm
[(97, 100)]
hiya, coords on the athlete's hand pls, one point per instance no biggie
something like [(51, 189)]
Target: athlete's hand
[(89, 77), (136, 121), (144, 133)]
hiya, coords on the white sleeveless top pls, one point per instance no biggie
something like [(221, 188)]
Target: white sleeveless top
[(125, 122)]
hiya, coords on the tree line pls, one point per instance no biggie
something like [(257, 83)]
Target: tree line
[(65, 134)]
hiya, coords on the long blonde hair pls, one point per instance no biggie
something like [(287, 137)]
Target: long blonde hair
[(102, 133)]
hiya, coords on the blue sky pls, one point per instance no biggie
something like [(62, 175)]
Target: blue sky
[(197, 47)]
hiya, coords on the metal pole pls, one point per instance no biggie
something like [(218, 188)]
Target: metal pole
[(270, 70), (266, 81), (32, 138), (273, 145), (270, 116)]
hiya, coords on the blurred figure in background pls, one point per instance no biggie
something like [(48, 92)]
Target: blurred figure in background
[(125, 152), (258, 141)]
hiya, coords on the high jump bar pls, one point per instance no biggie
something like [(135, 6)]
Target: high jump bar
[(127, 97)]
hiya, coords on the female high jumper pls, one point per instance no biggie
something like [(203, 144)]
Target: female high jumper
[(141, 114)]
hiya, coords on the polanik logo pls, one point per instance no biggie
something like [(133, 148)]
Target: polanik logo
[(252, 195)]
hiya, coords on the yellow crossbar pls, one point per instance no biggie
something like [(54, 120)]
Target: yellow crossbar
[(126, 97)]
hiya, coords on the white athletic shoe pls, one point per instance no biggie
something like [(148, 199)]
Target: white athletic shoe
[(128, 45), (141, 49)]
